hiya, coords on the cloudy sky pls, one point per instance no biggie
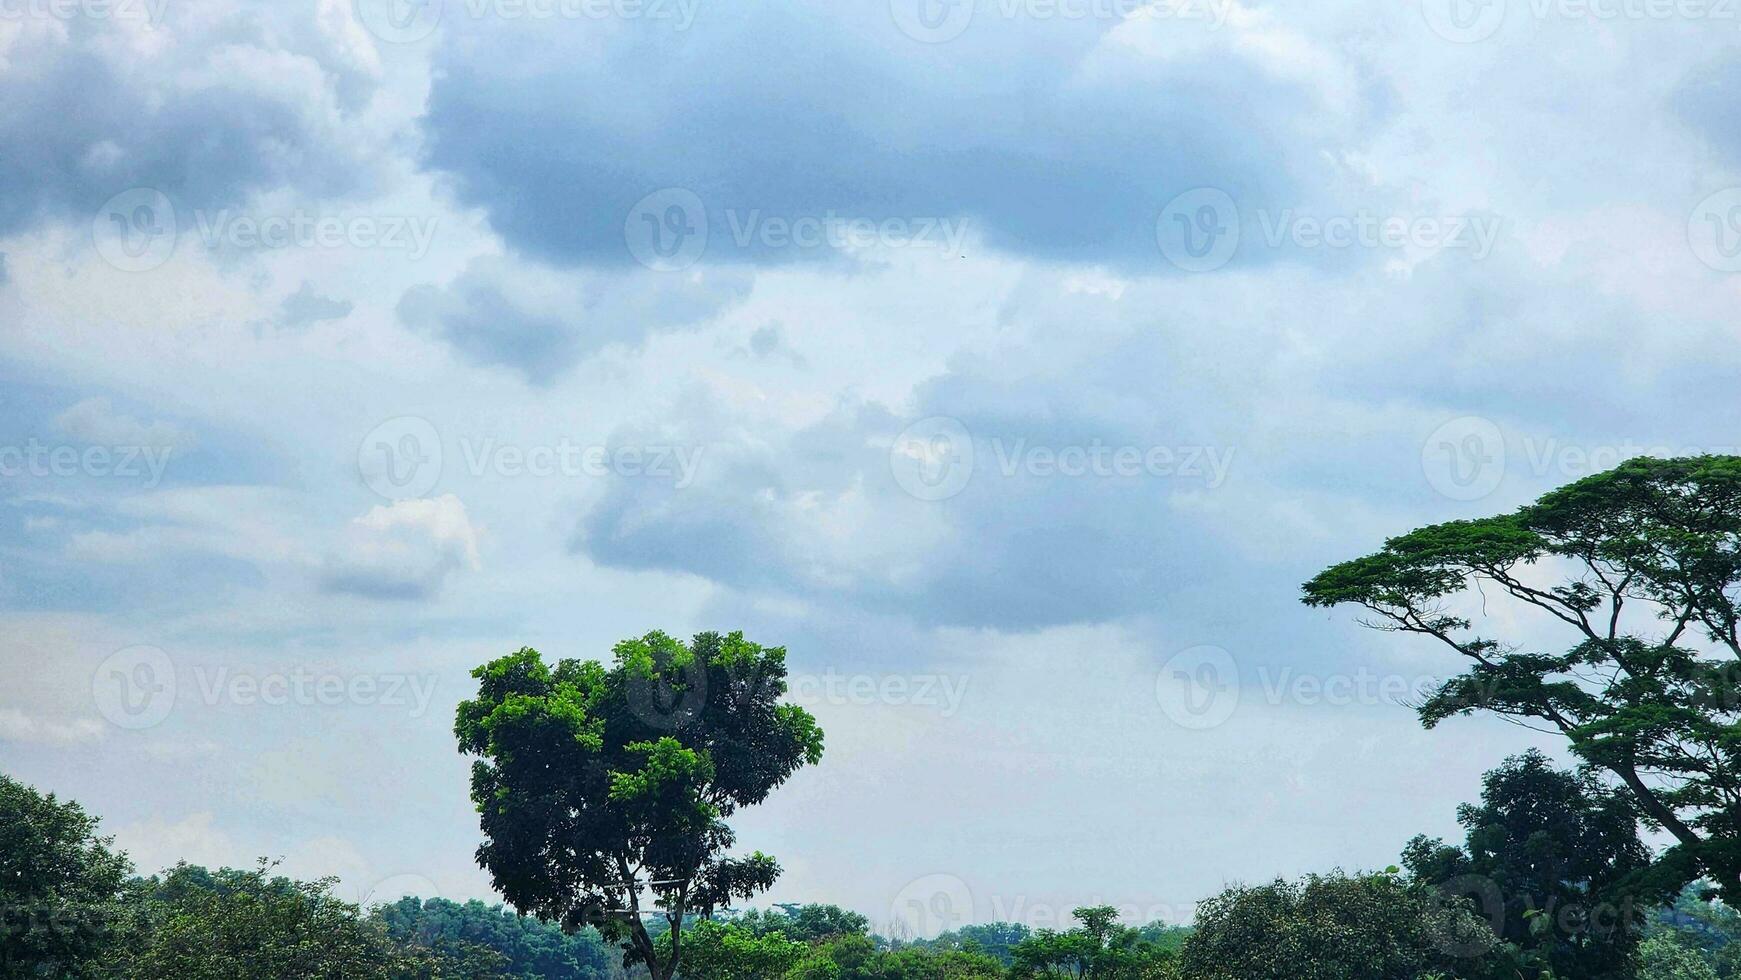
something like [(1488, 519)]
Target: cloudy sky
[(1010, 363)]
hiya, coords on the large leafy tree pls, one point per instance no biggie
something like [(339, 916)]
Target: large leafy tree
[(1335, 927), (1553, 860), (1641, 567), (61, 887), (603, 791)]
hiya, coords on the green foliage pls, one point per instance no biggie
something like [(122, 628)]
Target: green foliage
[(1553, 862), (717, 951), (1666, 958), (1710, 929), (528, 948), (1335, 927), (997, 940), (1642, 566), (200, 925), (804, 923), (61, 887), (1100, 947), (596, 784)]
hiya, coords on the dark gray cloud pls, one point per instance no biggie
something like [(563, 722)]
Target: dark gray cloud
[(540, 322), (1066, 149), (216, 102), (306, 307)]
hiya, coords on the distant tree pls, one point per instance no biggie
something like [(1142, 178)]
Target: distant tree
[(596, 786), (727, 951), (1554, 862), (995, 939), (804, 923), (61, 888), (529, 947), (1642, 566), (1335, 927), (1666, 958), (223, 925), (856, 957), (1100, 948), (1710, 928)]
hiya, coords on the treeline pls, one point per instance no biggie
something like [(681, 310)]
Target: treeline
[(1551, 882)]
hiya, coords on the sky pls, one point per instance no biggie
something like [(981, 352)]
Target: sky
[(1010, 363)]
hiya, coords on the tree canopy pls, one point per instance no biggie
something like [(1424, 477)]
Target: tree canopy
[(1641, 567), (1552, 860), (61, 886), (597, 785)]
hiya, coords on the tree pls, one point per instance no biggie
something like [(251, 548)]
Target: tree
[(1372, 927), (1100, 948), (529, 948), (1664, 958), (61, 887), (1554, 862), (596, 786), (201, 925), (1708, 928), (727, 951), (804, 923), (1641, 565)]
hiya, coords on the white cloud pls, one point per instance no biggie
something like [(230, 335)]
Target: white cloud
[(95, 421), (16, 726), (405, 550)]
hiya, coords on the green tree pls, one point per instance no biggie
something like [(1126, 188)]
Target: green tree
[(200, 925), (1554, 862), (727, 951), (1642, 566), (1100, 948), (1711, 928), (1665, 958), (530, 948), (596, 786), (61, 887), (804, 923), (1335, 927)]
